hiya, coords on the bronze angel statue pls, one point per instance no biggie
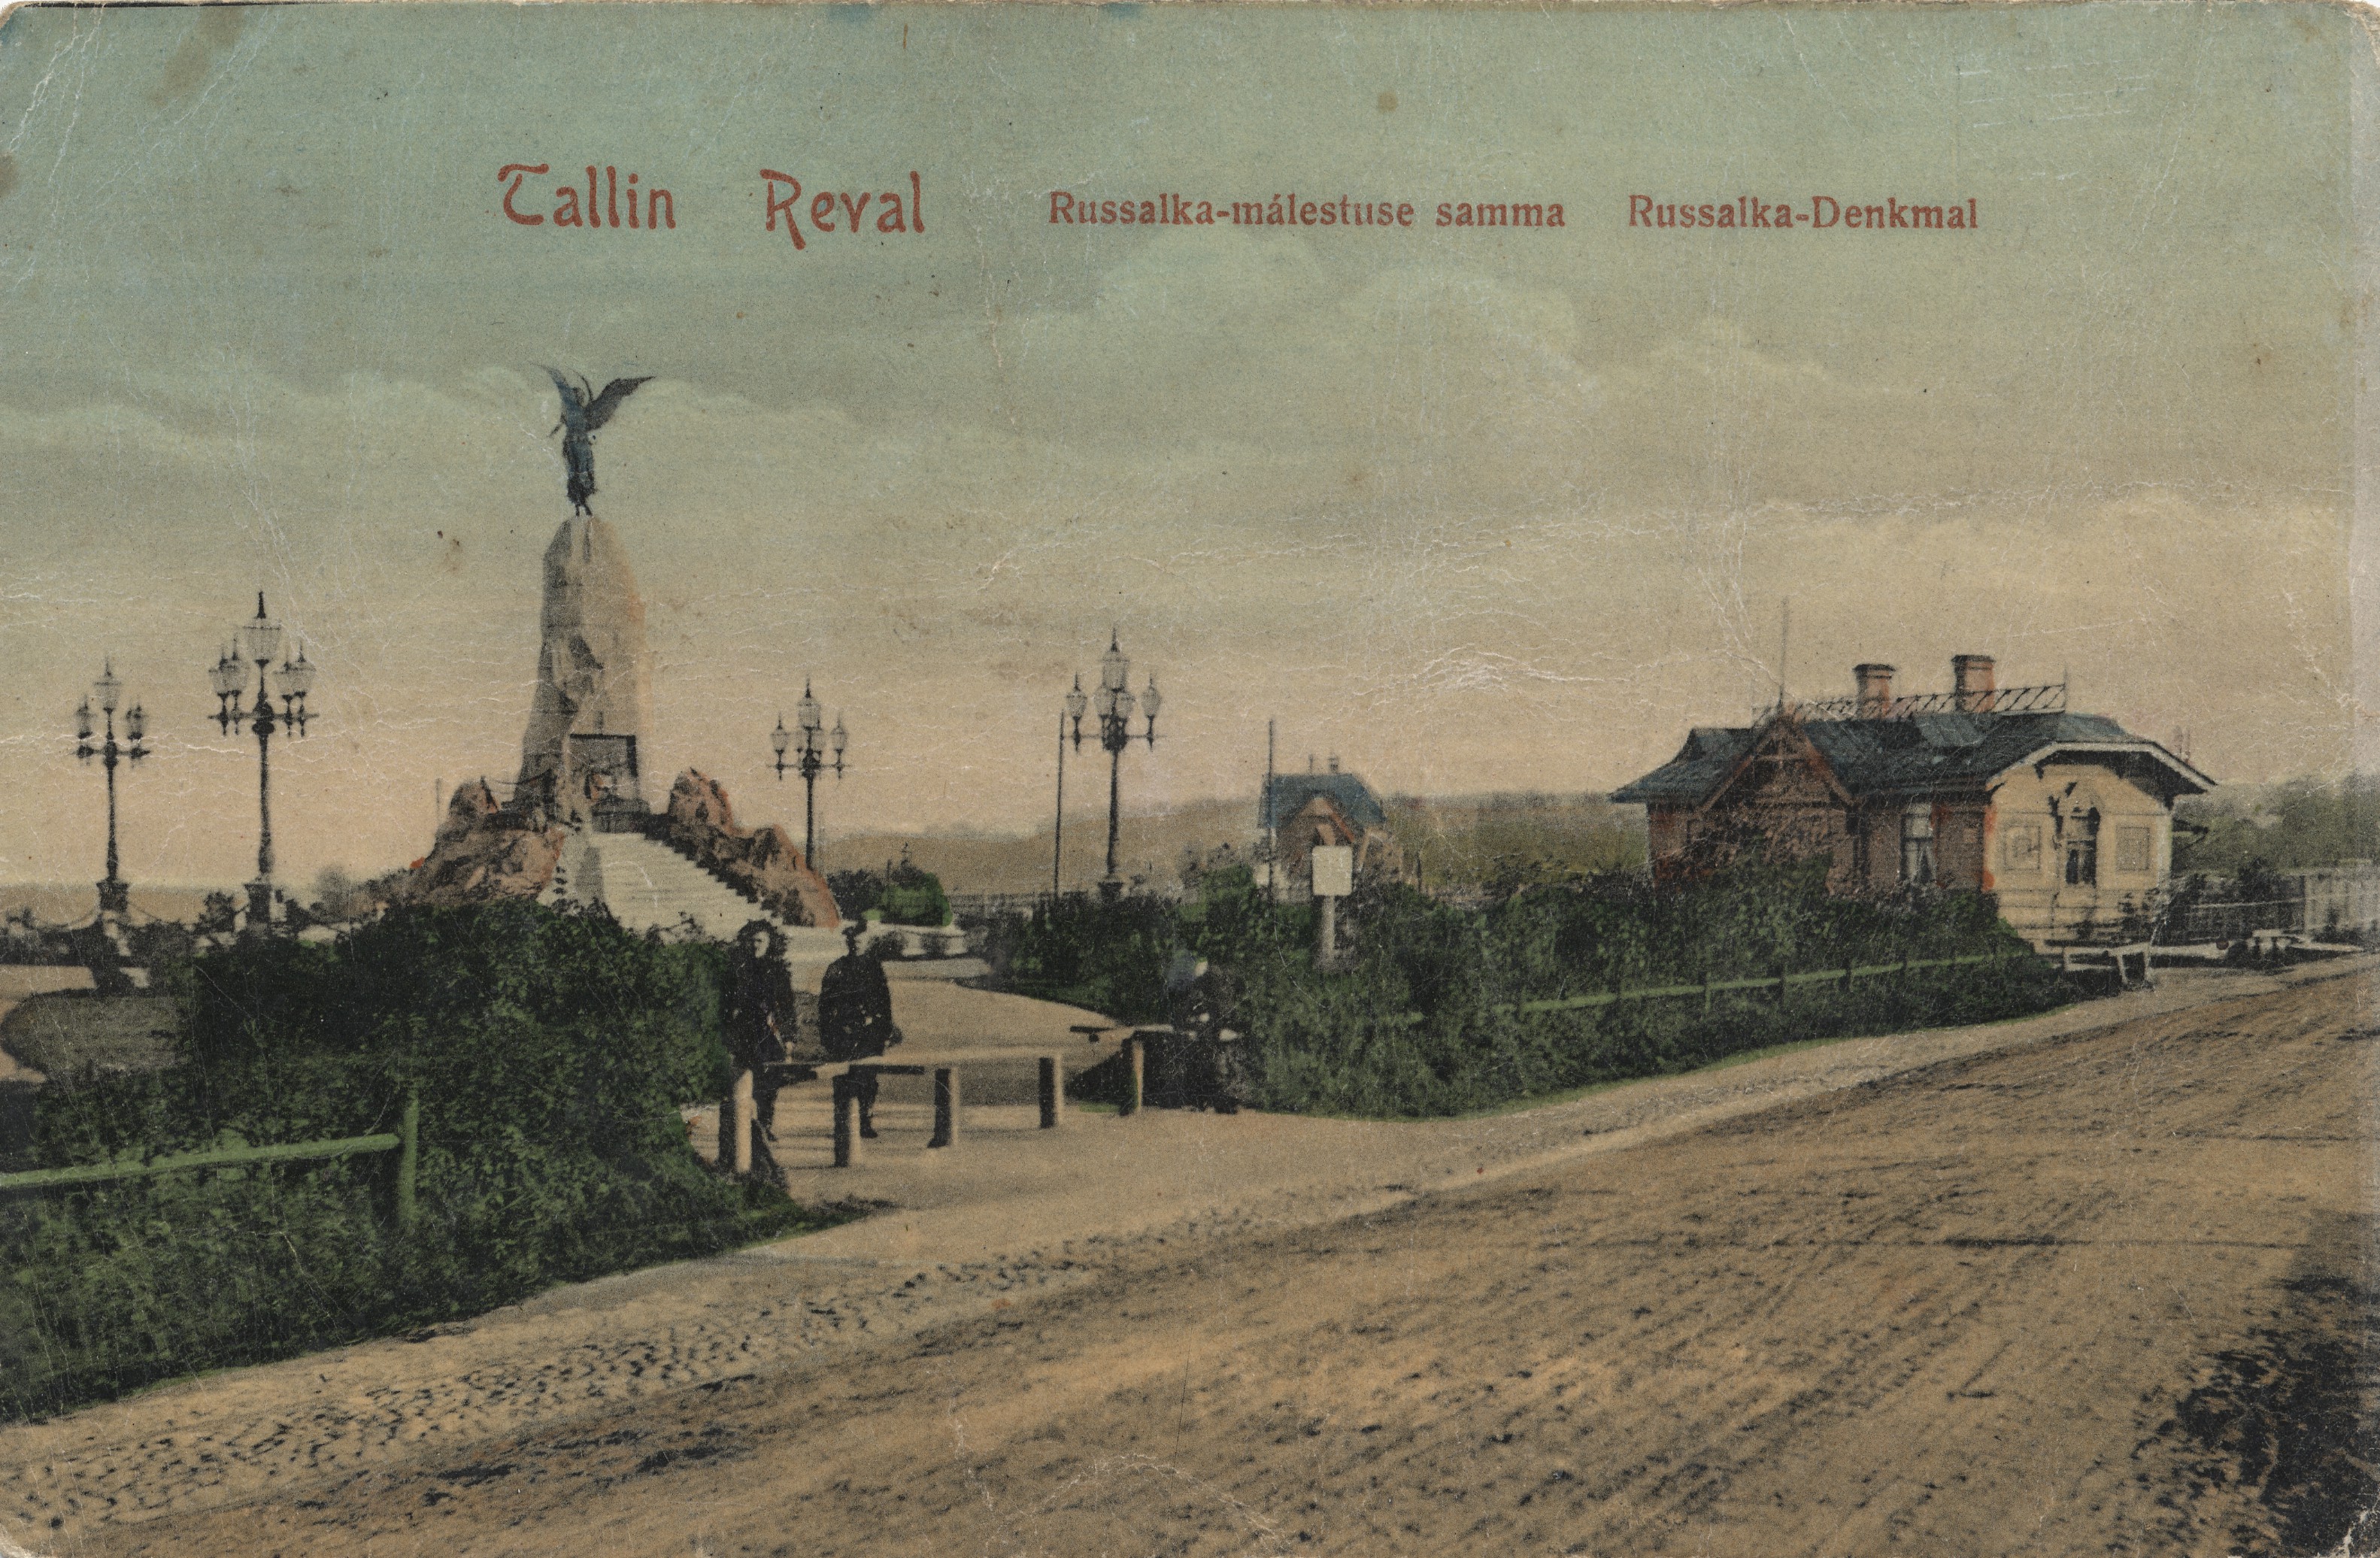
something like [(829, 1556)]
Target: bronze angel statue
[(583, 413)]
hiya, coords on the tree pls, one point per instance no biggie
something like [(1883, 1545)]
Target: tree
[(856, 892), (339, 897)]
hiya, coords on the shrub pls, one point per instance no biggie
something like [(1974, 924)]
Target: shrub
[(550, 1051), (913, 897), (1108, 956), (856, 892), (1425, 1016), (902, 894)]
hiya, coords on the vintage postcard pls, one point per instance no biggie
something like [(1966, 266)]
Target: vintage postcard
[(1036, 779)]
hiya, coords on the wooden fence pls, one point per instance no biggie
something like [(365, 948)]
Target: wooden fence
[(974, 908), (1781, 982), (406, 1142)]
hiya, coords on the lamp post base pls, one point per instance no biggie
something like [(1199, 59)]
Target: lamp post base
[(260, 906), (115, 896), (1110, 889)]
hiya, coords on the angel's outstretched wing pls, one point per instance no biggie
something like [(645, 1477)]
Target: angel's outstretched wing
[(609, 401), (574, 401)]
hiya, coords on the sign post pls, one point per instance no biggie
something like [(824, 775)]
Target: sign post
[(1333, 866)]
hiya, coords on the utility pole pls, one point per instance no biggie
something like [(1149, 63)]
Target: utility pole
[(1271, 826), (1057, 835)]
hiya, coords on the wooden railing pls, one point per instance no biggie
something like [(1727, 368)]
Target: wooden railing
[(1781, 982), (406, 1142), (976, 906)]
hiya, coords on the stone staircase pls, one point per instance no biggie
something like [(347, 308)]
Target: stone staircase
[(647, 884)]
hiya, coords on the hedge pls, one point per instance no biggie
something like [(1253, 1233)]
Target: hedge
[(1440, 1010), (550, 1050)]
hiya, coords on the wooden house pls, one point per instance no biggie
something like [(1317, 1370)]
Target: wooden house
[(2067, 817)]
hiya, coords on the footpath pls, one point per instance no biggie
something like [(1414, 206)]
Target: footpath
[(1009, 1189)]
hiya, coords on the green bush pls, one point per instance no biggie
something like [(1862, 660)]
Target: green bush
[(902, 894), (1334, 1051), (1110, 958), (856, 892), (913, 897), (550, 1053), (1425, 1016)]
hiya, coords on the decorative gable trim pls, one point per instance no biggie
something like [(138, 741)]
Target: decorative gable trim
[(1781, 737), (2191, 779)]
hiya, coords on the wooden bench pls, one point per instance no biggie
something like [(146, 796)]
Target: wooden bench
[(944, 1069)]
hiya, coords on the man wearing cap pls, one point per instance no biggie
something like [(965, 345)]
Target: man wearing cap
[(855, 1018)]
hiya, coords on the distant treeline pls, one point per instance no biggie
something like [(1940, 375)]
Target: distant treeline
[(1494, 840), (2300, 825), (1501, 842)]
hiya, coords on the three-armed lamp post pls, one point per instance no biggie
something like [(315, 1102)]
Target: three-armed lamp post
[(810, 741), (258, 640), (1114, 702), (114, 893)]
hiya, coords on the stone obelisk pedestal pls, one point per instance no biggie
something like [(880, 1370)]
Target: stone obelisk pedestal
[(587, 720)]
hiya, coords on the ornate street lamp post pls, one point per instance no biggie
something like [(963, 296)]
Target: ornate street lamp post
[(114, 893), (810, 741), (1114, 702), (257, 640)]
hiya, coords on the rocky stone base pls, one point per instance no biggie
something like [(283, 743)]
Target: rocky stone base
[(484, 852), (700, 822)]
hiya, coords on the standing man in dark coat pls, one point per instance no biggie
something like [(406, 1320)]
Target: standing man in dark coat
[(856, 1017)]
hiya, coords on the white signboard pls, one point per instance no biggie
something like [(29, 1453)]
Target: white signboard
[(1334, 871)]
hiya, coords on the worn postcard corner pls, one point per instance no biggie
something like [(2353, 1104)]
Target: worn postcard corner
[(1195, 779)]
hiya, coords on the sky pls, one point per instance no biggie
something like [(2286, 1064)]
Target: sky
[(1471, 510)]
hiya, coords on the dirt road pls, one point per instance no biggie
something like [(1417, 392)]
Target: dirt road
[(2105, 1293)]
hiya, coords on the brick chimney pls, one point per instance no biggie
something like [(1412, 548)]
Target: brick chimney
[(1972, 681), (1875, 690)]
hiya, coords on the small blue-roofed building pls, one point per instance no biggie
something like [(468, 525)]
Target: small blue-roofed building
[(2067, 816), (1298, 811)]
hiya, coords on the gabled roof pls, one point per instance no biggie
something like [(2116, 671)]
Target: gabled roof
[(1709, 755), (1290, 792), (1917, 755)]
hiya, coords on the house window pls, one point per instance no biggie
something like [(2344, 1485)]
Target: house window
[(2083, 850), (1917, 845), (2132, 849), (2021, 849)]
